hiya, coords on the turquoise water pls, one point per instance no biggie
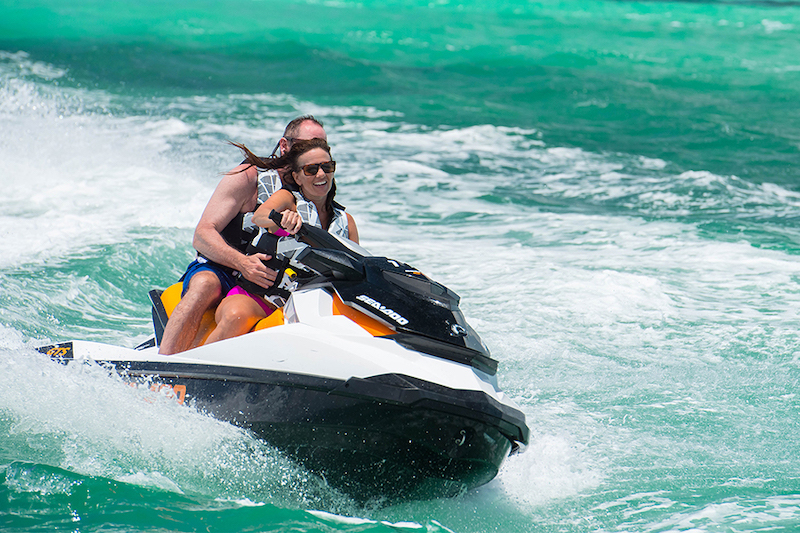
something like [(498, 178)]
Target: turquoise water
[(611, 187)]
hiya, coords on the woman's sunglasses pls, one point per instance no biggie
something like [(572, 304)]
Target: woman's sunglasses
[(312, 169)]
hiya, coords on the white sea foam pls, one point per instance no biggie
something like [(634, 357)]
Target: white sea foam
[(552, 467), (771, 26), (83, 419), (73, 180), (334, 519), (774, 513)]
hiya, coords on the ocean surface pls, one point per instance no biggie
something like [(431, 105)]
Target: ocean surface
[(612, 187)]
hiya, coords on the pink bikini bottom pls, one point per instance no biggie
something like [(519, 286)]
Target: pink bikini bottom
[(260, 301)]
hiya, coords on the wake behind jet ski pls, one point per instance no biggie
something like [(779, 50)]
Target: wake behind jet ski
[(369, 374)]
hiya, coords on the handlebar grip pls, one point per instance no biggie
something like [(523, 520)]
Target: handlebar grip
[(276, 217)]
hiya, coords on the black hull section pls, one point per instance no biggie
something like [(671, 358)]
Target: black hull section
[(389, 436), (426, 462)]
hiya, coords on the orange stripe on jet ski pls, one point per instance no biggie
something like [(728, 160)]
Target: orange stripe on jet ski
[(374, 327)]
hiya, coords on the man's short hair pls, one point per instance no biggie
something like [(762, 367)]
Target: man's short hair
[(294, 126)]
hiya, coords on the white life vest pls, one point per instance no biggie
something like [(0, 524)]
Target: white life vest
[(268, 182), (308, 212)]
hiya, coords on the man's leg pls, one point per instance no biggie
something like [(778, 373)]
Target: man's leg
[(204, 291)]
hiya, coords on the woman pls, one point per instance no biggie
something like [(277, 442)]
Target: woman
[(307, 196)]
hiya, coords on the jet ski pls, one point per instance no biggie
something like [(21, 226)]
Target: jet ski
[(368, 375)]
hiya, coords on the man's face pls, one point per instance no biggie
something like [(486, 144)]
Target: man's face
[(307, 130)]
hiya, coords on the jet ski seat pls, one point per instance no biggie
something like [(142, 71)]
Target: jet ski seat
[(164, 303)]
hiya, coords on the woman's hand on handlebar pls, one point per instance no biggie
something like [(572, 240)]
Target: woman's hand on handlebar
[(291, 221)]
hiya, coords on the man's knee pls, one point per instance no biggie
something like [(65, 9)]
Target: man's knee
[(204, 286)]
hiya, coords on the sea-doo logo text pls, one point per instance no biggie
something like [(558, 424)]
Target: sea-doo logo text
[(383, 309)]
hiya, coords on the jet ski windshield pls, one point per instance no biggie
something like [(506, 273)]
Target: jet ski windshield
[(344, 245)]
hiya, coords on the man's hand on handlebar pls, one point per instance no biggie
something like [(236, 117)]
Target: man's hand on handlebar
[(253, 269)]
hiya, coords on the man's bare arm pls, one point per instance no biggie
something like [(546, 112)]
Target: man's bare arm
[(236, 193)]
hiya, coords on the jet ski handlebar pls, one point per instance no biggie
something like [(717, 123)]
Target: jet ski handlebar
[(276, 217), (325, 254), (317, 237)]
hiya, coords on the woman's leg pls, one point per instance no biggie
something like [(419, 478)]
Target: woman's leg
[(236, 315)]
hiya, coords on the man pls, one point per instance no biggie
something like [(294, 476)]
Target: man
[(218, 234)]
